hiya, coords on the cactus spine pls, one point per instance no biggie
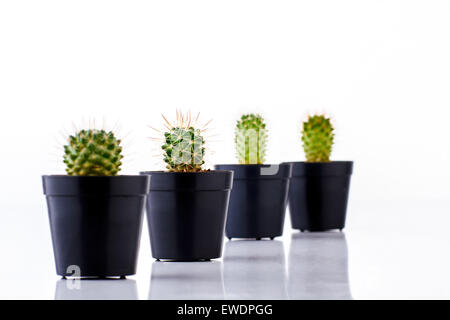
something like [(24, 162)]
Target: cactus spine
[(251, 139), (317, 137), (184, 146), (93, 153)]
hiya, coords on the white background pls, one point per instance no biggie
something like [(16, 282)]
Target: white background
[(381, 69)]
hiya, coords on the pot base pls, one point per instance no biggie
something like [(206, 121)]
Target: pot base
[(96, 278), (257, 239), (319, 230), (183, 260)]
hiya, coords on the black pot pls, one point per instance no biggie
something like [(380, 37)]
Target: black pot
[(258, 200), (96, 223), (318, 195), (186, 213)]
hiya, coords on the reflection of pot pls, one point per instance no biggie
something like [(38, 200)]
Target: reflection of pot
[(254, 270), (186, 281), (318, 266), (111, 289)]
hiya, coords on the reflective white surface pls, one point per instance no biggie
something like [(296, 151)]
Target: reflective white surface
[(186, 280), (317, 269), (389, 250), (254, 270), (318, 266), (111, 289)]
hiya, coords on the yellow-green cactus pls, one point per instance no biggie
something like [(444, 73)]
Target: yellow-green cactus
[(251, 139), (93, 153), (317, 137)]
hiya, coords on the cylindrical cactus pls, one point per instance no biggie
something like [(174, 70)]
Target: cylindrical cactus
[(317, 137), (184, 147), (93, 153), (251, 139)]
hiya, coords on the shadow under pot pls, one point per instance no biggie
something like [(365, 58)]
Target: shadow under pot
[(96, 223), (318, 195), (186, 213), (258, 200)]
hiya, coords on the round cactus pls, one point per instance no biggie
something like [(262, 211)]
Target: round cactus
[(317, 138), (184, 149), (93, 153), (251, 139)]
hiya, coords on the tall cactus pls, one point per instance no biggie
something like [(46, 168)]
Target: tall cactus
[(184, 146), (317, 137), (251, 139), (93, 153)]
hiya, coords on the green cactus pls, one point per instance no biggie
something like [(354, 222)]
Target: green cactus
[(184, 149), (93, 153), (251, 139), (317, 137)]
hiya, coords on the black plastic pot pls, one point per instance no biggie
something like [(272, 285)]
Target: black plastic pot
[(258, 200), (186, 213), (96, 223), (318, 195)]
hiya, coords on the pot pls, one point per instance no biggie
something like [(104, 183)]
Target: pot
[(96, 223), (318, 195), (258, 200), (186, 214)]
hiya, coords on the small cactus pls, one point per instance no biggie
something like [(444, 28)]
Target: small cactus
[(93, 153), (184, 146), (317, 137), (251, 139)]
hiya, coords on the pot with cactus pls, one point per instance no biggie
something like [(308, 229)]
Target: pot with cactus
[(319, 188), (260, 191), (95, 214), (187, 205)]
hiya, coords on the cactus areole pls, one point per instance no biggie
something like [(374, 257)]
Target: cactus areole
[(317, 137), (251, 139)]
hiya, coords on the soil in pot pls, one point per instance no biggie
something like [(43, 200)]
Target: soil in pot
[(318, 195), (96, 223), (186, 213), (258, 200)]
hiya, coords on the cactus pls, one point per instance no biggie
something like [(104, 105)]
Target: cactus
[(317, 137), (251, 139), (184, 146), (93, 153)]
